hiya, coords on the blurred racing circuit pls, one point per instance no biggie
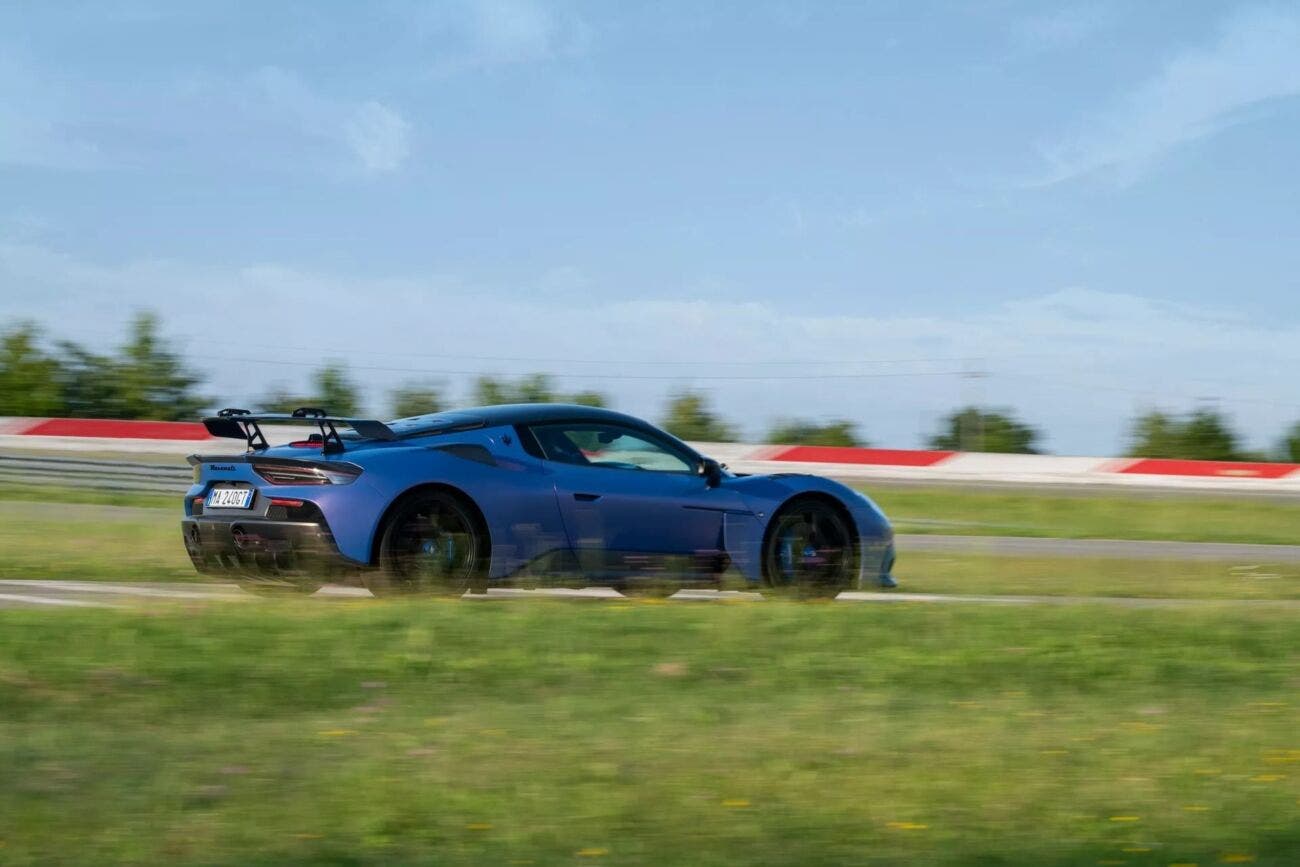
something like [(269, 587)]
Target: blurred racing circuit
[(66, 453)]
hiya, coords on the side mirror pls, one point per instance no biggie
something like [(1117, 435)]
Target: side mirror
[(711, 470)]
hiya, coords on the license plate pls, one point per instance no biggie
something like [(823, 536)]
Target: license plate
[(230, 498)]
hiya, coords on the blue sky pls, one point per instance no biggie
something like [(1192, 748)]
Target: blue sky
[(812, 209)]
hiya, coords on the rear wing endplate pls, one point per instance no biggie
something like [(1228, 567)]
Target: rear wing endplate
[(241, 424)]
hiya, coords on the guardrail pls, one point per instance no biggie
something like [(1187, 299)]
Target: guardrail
[(104, 475)]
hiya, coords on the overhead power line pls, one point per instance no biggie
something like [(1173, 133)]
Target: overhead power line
[(608, 376)]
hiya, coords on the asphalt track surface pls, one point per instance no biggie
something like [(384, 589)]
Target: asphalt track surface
[(101, 594)]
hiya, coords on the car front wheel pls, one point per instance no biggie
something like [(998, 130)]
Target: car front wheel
[(810, 550)]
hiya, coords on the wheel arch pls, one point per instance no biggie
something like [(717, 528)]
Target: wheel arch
[(376, 538), (821, 496)]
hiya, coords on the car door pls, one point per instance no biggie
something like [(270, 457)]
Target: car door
[(632, 501)]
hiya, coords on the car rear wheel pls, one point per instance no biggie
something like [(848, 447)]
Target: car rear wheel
[(810, 551), (433, 543)]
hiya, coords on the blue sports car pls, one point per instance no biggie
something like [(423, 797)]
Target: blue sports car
[(460, 501)]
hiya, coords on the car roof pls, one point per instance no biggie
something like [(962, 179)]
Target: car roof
[(515, 413)]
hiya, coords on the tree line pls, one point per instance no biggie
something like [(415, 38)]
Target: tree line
[(146, 379)]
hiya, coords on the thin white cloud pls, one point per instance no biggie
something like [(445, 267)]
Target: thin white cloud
[(1058, 28), (1199, 92), (379, 136), (375, 135), (1076, 361), (272, 116), (37, 124), (513, 31), (475, 34)]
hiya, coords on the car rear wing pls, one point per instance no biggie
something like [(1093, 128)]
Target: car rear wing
[(241, 424)]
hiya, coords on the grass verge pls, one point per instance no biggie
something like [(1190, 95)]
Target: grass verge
[(767, 734), (972, 573), (964, 511)]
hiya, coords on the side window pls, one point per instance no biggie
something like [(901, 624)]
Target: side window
[(605, 445)]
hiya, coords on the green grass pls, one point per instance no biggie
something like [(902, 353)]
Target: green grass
[(87, 542), (973, 573), (1089, 516), (10, 492), (768, 734)]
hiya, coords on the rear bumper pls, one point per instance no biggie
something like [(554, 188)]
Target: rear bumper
[(253, 547)]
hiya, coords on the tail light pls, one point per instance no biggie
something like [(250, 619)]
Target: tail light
[(307, 474)]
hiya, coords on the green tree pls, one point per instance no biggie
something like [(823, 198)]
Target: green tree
[(30, 381), (801, 432), (972, 429), (534, 388), (152, 382), (89, 384), (337, 392), (143, 380), (689, 417), (1203, 435), (587, 398), (1155, 434), (331, 390), (1291, 444), (415, 399)]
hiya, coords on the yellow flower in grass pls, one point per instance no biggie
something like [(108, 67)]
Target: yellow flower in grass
[(907, 826), (735, 803), (1142, 726), (592, 852), (1196, 808), (336, 733), (1267, 778), (1236, 858)]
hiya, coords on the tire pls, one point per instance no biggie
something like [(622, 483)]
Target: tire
[(433, 543), (810, 550)]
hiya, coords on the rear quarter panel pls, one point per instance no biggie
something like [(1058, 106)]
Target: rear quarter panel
[(515, 494)]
